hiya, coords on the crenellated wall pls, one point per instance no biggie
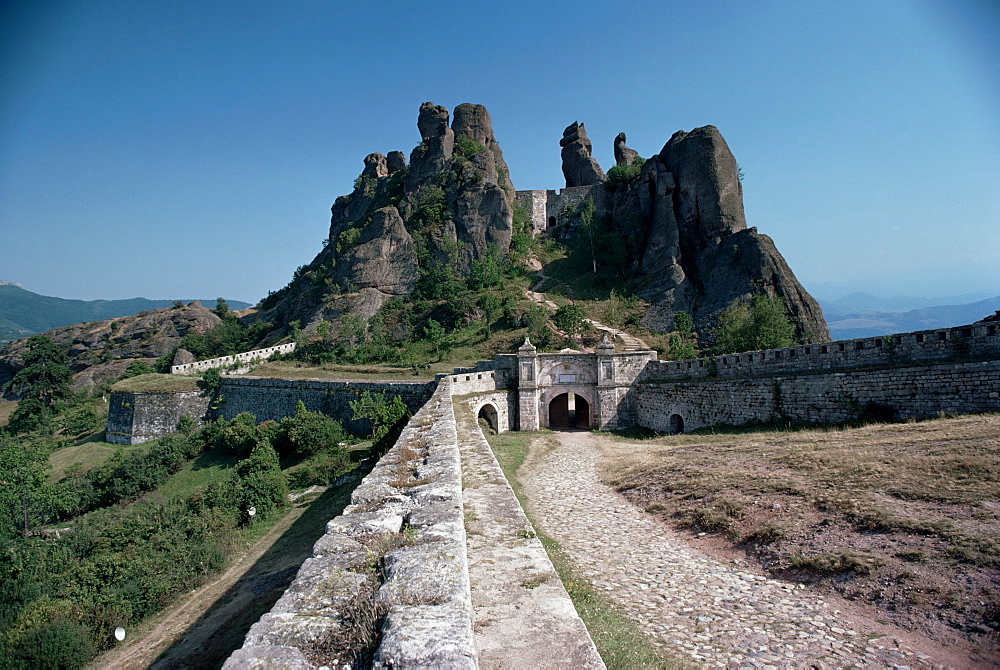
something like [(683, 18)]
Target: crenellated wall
[(917, 391), (978, 340), (238, 360)]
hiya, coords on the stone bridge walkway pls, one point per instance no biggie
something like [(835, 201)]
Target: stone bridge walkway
[(692, 605)]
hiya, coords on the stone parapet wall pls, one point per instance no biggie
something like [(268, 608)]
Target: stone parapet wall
[(917, 392), (407, 518), (274, 399), (978, 340), (237, 360), (134, 418)]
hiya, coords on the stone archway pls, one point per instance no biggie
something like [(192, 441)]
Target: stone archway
[(569, 411), (488, 414), (676, 424)]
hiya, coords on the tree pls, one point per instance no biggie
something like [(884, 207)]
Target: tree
[(382, 412), (45, 375), (434, 333), (23, 497), (588, 228), (258, 480), (570, 318), (221, 307), (751, 325), (492, 305)]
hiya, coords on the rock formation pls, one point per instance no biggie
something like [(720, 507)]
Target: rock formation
[(682, 221), (395, 161), (454, 203), (685, 215), (624, 155), (375, 166), (578, 166), (100, 351)]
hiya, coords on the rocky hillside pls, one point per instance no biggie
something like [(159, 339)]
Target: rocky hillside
[(404, 222), (683, 213), (23, 313), (99, 351)]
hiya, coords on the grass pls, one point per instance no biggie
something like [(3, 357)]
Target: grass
[(7, 407), (619, 641), (213, 464), (157, 383), (83, 457)]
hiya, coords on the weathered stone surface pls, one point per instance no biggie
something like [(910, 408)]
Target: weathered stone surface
[(115, 342), (437, 142), (375, 166), (624, 155), (384, 259), (578, 166), (427, 636), (395, 161), (685, 216), (268, 657), (710, 196), (182, 357)]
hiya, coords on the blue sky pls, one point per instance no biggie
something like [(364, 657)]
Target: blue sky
[(193, 149)]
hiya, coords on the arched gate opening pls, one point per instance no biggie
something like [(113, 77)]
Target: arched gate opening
[(569, 411), (488, 416)]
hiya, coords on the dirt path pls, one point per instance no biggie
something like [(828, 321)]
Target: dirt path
[(630, 342), (201, 631), (714, 612)]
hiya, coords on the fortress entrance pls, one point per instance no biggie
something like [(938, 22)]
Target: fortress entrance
[(568, 411)]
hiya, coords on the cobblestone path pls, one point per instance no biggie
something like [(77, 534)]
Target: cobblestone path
[(694, 606)]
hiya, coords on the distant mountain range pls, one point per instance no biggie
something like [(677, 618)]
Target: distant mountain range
[(865, 315), (23, 313)]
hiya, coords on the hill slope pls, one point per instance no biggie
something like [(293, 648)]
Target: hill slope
[(846, 323), (23, 313)]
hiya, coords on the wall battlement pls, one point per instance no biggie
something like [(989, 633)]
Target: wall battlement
[(915, 374), (241, 359), (978, 340)]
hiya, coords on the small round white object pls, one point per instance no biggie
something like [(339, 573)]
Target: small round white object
[(252, 511), (119, 633)]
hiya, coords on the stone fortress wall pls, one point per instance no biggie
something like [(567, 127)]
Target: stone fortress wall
[(548, 208), (238, 360), (134, 418), (918, 375), (425, 582), (407, 516)]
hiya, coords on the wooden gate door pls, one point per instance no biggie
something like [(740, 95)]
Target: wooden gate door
[(582, 413), (559, 412)]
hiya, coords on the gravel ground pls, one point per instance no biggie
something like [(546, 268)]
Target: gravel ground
[(712, 611)]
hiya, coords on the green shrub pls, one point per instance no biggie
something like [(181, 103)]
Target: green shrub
[(468, 147), (622, 176), (311, 432), (61, 644)]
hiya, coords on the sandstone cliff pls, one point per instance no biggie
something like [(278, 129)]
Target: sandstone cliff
[(684, 215), (448, 207)]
